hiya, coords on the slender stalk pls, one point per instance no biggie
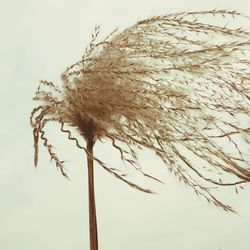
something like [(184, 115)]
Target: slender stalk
[(92, 209)]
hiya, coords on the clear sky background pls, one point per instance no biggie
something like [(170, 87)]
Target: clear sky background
[(39, 209)]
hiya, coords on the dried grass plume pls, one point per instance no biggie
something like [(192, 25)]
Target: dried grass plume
[(177, 84)]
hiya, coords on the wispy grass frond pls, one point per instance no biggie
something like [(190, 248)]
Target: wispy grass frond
[(176, 84)]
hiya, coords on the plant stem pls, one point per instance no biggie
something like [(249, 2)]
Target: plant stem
[(92, 209)]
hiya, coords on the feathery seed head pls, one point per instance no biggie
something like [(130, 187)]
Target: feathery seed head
[(171, 83)]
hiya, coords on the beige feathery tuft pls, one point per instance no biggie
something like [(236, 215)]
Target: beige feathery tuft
[(174, 84)]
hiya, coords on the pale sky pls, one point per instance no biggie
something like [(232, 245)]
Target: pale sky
[(39, 209)]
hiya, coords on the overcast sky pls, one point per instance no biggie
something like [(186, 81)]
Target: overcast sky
[(39, 209)]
